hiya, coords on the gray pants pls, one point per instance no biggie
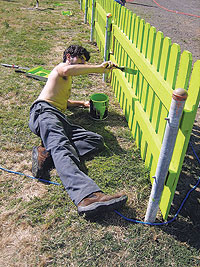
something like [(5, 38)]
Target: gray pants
[(67, 144)]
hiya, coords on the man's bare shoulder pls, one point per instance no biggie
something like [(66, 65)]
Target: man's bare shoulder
[(61, 68)]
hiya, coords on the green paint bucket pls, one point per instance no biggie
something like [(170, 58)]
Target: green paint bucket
[(99, 106)]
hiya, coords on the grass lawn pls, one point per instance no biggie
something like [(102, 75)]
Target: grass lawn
[(39, 224)]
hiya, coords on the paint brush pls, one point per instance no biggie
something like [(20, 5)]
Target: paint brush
[(127, 70)]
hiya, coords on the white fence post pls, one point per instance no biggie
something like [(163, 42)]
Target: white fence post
[(178, 100)]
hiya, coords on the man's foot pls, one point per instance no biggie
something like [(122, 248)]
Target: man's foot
[(98, 203), (42, 163)]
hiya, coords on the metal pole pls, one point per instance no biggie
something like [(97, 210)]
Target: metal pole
[(86, 11), (178, 100), (92, 20), (107, 40)]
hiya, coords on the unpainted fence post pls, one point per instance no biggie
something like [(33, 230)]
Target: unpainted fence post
[(107, 40), (92, 20), (86, 11), (178, 100)]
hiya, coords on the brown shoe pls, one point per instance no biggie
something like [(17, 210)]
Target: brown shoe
[(42, 163), (98, 203)]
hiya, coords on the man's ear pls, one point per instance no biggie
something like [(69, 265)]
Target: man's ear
[(68, 57)]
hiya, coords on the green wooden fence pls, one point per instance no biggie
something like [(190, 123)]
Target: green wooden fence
[(146, 97)]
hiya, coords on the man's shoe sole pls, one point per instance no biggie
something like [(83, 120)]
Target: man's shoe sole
[(99, 208)]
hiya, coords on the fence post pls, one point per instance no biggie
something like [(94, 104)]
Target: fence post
[(92, 20), (178, 100), (107, 40), (80, 4), (86, 11)]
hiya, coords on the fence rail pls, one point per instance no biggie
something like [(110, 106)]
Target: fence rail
[(146, 97)]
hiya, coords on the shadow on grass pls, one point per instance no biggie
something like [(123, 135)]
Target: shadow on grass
[(113, 218), (83, 118), (187, 229)]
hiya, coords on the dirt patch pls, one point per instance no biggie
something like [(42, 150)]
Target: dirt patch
[(17, 240)]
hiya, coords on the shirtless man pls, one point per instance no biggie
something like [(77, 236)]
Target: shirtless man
[(65, 145)]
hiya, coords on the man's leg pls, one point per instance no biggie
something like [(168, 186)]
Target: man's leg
[(86, 142), (83, 190), (65, 158)]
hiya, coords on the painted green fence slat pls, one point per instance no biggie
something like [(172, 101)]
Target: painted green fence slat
[(151, 44), (158, 50), (173, 63), (101, 37), (184, 70), (164, 62), (146, 39), (162, 122), (141, 34), (124, 28), (121, 20), (136, 30), (115, 13), (145, 90), (129, 23), (119, 16), (132, 27), (193, 99)]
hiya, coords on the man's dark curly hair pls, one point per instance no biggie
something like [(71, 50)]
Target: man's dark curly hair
[(76, 51)]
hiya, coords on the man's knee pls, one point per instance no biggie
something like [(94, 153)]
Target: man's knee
[(101, 141)]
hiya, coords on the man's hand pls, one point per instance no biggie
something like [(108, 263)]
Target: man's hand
[(108, 66), (75, 103), (86, 104)]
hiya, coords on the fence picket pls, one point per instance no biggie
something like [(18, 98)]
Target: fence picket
[(158, 50), (122, 18), (137, 24), (115, 12), (129, 20), (164, 62), (119, 9), (173, 65), (141, 35), (184, 70), (151, 44), (149, 100), (124, 28), (133, 27), (146, 39), (156, 110), (144, 93), (193, 96), (161, 124)]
